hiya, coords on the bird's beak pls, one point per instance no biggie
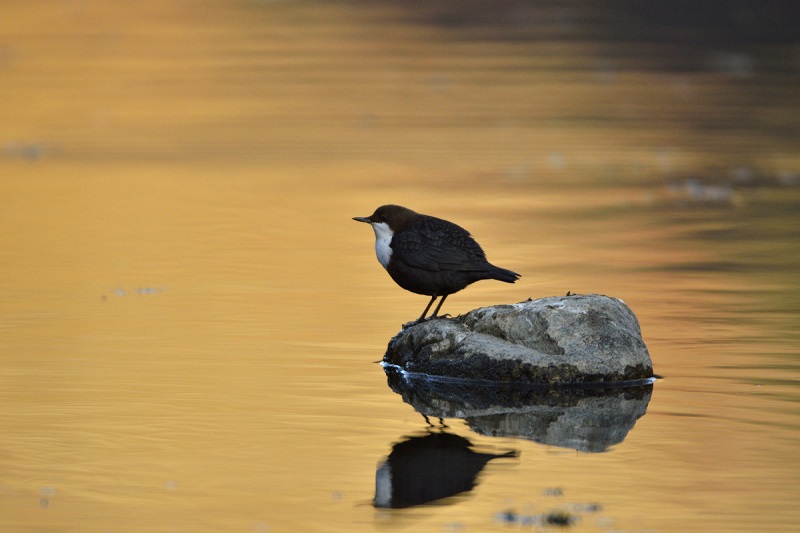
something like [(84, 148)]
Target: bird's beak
[(363, 219)]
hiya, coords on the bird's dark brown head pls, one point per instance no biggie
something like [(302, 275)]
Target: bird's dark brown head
[(396, 217)]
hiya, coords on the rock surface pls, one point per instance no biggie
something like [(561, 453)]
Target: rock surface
[(557, 340)]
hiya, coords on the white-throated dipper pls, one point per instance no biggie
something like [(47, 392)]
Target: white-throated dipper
[(428, 255)]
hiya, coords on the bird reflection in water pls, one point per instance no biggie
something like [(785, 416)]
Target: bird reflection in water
[(429, 467)]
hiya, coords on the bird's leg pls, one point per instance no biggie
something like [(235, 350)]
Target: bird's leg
[(439, 306), (425, 312)]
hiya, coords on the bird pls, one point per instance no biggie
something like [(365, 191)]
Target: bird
[(428, 255)]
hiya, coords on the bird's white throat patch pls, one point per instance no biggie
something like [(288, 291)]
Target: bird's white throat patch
[(383, 239)]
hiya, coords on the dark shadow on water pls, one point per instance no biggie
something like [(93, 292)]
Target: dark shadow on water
[(429, 467), (587, 419)]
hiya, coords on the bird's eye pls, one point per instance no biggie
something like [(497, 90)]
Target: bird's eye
[(383, 218)]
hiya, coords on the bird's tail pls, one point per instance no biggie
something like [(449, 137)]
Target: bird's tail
[(502, 274)]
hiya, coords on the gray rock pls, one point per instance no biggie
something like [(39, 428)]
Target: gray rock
[(557, 340)]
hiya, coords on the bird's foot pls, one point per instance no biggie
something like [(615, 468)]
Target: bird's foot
[(420, 320), (434, 317)]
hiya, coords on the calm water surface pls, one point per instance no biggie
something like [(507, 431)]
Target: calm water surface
[(191, 319)]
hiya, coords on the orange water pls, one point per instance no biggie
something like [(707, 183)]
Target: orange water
[(189, 316)]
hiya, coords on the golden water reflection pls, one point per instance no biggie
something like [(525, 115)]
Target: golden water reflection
[(190, 317)]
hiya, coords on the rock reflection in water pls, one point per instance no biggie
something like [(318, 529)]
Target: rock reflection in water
[(585, 419), (429, 467)]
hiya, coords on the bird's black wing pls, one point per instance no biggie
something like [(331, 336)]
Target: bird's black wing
[(435, 244)]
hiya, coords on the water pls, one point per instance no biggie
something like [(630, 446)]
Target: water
[(191, 319)]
